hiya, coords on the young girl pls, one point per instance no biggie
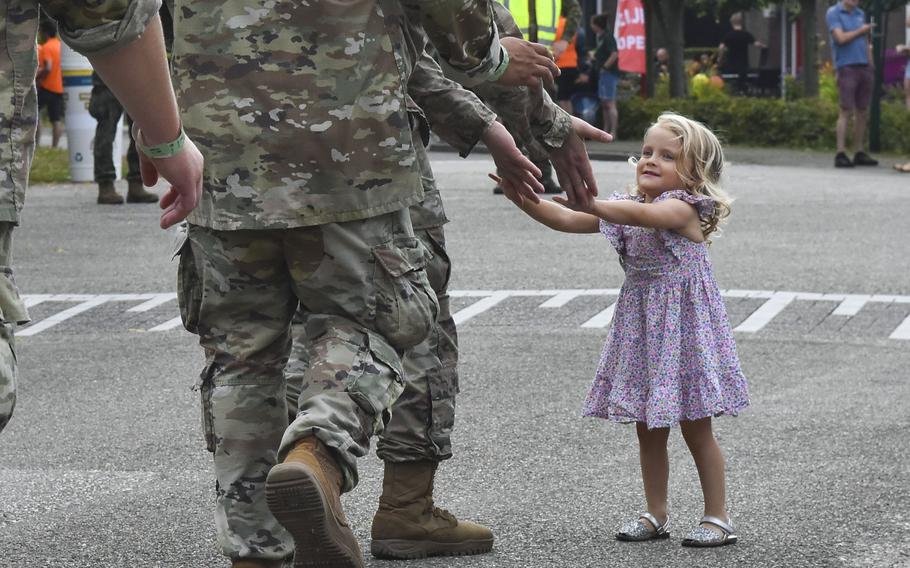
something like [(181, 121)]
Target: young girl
[(670, 357)]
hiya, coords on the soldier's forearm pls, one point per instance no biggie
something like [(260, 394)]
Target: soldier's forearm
[(463, 33), (138, 75)]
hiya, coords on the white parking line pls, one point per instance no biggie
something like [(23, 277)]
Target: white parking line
[(602, 319), (169, 324), (479, 307), (766, 312), (851, 305), (776, 301), (63, 316), (153, 303)]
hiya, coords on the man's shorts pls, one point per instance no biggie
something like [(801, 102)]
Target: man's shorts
[(54, 103), (854, 86), (606, 86)]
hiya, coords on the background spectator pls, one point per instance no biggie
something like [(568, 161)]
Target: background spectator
[(606, 63), (855, 77), (565, 50), (50, 81), (734, 49)]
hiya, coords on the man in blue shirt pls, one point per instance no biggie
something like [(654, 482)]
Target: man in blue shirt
[(855, 78)]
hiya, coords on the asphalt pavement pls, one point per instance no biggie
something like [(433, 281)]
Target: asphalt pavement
[(103, 464)]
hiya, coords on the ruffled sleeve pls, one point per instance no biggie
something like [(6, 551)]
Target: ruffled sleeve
[(613, 232), (703, 204), (679, 245)]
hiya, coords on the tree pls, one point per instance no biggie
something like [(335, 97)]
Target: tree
[(669, 16), (808, 30)]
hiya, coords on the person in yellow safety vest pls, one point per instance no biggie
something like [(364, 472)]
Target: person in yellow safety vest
[(548, 13)]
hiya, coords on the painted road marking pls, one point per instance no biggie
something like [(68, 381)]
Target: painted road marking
[(602, 319), (62, 316), (764, 314), (848, 305)]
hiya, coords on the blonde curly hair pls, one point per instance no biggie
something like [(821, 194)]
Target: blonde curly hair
[(700, 165)]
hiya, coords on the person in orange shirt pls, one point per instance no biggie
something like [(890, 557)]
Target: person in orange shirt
[(50, 80), (566, 53)]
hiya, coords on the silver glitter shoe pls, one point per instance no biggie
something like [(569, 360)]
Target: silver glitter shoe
[(702, 537), (637, 530)]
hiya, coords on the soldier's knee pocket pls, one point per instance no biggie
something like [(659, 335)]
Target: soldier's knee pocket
[(439, 269), (7, 374), (368, 367), (406, 306), (189, 285)]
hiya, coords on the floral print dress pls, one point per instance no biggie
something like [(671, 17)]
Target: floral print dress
[(670, 354)]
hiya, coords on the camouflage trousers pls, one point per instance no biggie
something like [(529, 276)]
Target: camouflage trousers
[(364, 290), (424, 415), (12, 312), (106, 109)]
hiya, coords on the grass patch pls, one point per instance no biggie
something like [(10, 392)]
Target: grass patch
[(51, 165)]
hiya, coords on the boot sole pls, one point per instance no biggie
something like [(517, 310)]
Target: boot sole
[(298, 503), (398, 549)]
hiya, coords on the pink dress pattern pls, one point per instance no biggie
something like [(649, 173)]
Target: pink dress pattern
[(670, 354)]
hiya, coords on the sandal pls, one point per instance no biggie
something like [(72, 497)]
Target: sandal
[(637, 531), (903, 168), (702, 537)]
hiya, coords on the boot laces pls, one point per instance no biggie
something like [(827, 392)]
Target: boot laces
[(440, 513)]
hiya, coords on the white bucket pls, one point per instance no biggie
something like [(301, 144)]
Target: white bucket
[(80, 126)]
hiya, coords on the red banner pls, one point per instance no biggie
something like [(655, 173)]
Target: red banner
[(630, 36)]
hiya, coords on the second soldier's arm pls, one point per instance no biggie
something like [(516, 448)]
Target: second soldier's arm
[(462, 120), (464, 33)]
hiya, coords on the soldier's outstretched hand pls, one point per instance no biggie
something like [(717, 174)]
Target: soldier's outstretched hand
[(184, 172), (520, 174), (573, 168), (529, 64)]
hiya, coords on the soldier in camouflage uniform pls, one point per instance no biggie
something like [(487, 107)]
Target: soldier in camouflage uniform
[(107, 110), (310, 170), (90, 30), (418, 436)]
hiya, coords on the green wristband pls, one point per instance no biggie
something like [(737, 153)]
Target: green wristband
[(165, 150), (503, 65)]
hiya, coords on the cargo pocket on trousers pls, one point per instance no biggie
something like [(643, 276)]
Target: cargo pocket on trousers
[(205, 387), (406, 306), (189, 286), (376, 380)]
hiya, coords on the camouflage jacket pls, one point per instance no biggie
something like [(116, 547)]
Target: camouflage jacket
[(88, 27), (299, 107)]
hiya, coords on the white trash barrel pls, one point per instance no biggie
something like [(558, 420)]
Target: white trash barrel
[(80, 126)]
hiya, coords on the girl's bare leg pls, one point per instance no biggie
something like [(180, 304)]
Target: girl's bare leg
[(710, 464), (655, 468)]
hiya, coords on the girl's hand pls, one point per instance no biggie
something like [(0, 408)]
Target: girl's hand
[(510, 192), (580, 206), (519, 174)]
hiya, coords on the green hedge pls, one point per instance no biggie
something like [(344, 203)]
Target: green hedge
[(802, 123)]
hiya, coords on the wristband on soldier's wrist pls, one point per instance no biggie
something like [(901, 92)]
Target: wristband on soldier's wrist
[(503, 65), (165, 150)]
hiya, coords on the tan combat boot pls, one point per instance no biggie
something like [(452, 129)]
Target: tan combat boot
[(107, 194), (408, 524), (304, 494), (136, 193)]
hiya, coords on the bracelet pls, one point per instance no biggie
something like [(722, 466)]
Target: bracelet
[(165, 150), (503, 65)]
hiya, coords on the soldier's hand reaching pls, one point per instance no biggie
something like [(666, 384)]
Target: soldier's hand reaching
[(519, 173), (573, 168), (529, 64), (184, 172)]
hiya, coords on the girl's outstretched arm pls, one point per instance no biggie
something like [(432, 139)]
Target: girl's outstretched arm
[(560, 218), (672, 214)]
